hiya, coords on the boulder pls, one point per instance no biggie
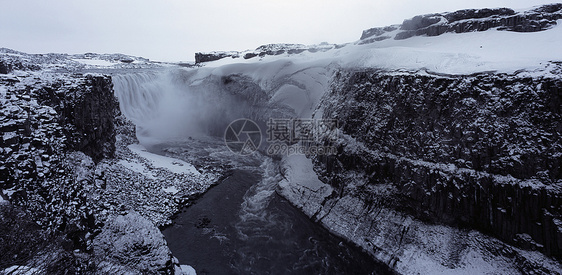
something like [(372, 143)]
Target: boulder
[(132, 243)]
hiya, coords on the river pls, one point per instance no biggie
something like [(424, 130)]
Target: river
[(242, 226)]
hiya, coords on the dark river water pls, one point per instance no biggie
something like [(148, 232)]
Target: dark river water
[(242, 226)]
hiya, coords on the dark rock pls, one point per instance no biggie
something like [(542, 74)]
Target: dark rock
[(551, 8), (4, 68), (477, 14), (473, 151), (295, 51), (372, 32), (93, 115), (404, 35), (420, 22), (207, 57), (250, 55), (8, 65), (87, 110), (470, 20)]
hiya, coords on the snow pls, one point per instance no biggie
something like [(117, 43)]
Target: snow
[(449, 53), (172, 190), (465, 53), (299, 169), (158, 161), (185, 270), (94, 62), (137, 167), (21, 270), (298, 173)]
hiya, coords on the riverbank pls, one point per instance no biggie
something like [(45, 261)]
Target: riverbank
[(406, 244)]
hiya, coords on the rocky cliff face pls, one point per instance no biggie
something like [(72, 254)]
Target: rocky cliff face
[(427, 163), (265, 50), (91, 110), (67, 175), (45, 118), (48, 122), (478, 151), (470, 20)]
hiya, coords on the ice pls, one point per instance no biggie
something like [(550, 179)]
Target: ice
[(158, 161), (299, 173)]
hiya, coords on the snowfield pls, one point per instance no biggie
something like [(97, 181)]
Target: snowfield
[(449, 53)]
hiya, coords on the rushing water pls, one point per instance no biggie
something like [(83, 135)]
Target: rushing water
[(242, 226)]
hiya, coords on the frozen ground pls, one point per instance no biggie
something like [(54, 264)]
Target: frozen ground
[(449, 53)]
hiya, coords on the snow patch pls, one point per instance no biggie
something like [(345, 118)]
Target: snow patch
[(174, 165), (94, 62), (300, 178), (449, 53), (21, 270), (185, 270), (137, 167), (172, 190)]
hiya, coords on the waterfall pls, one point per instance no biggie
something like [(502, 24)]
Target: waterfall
[(177, 104), (139, 95)]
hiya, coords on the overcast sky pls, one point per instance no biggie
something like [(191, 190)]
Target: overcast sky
[(173, 30)]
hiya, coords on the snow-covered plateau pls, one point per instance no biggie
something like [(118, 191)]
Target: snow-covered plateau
[(449, 153)]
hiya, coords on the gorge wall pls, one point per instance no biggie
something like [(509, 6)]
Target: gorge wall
[(73, 196), (427, 163), (479, 151)]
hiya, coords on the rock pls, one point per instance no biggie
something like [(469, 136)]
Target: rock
[(91, 114), (470, 20), (419, 22), (264, 50), (471, 151), (20, 270), (4, 67), (132, 242), (207, 57)]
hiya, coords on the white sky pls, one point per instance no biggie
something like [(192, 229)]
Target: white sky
[(173, 30)]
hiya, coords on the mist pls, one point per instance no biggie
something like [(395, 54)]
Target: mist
[(178, 104)]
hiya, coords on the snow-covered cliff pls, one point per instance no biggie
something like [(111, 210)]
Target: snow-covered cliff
[(448, 142)]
